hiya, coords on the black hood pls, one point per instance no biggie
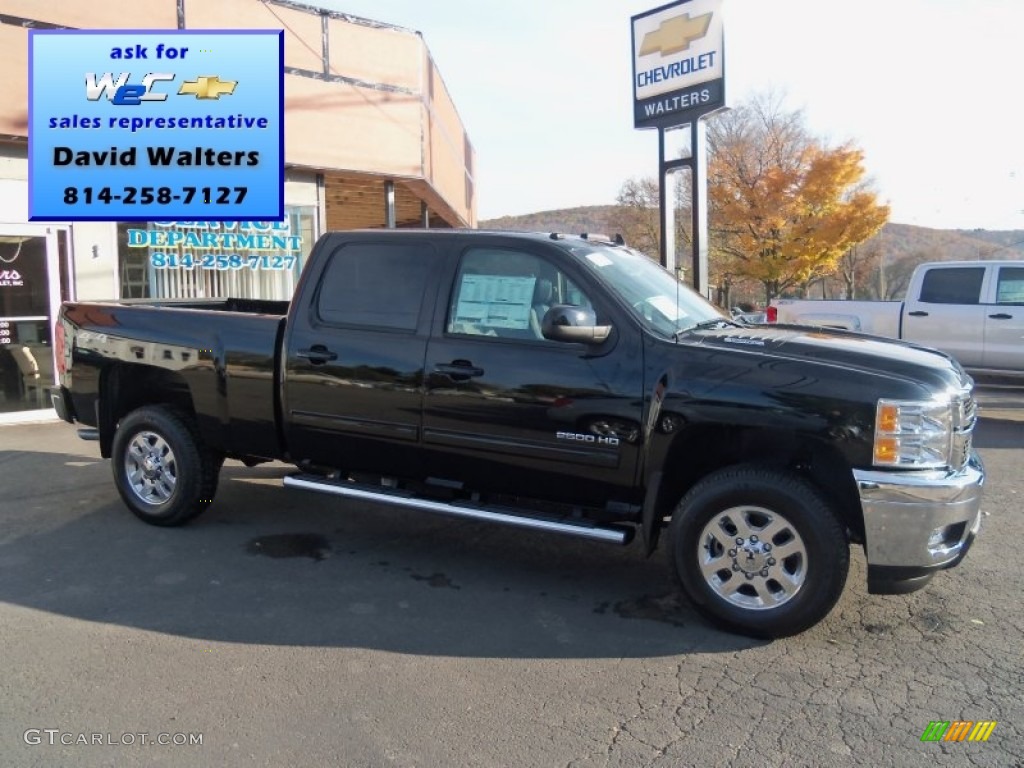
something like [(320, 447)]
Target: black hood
[(870, 354)]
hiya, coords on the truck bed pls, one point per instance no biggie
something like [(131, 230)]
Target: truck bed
[(242, 306), (879, 318), (223, 352)]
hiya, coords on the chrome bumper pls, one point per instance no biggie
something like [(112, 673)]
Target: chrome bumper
[(920, 521)]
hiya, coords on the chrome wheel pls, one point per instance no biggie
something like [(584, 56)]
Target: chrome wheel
[(150, 468), (752, 557)]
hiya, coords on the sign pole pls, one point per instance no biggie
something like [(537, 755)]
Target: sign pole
[(679, 78), (666, 204), (699, 206)]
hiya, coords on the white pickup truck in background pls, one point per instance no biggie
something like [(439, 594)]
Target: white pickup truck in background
[(972, 310)]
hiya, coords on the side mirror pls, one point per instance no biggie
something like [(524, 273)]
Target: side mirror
[(564, 322)]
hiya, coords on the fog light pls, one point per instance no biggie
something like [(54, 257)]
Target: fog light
[(946, 539)]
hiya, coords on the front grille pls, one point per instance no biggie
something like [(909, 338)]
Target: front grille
[(965, 416), (967, 410)]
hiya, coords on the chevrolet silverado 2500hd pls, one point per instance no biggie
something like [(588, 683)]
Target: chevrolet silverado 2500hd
[(566, 384)]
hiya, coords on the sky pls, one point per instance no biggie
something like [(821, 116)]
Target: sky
[(931, 90)]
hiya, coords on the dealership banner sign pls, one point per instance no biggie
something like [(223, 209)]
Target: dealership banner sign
[(678, 63), (156, 125)]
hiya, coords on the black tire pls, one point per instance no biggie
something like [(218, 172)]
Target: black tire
[(164, 473), (736, 518)]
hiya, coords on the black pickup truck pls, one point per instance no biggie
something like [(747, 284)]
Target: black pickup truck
[(566, 384)]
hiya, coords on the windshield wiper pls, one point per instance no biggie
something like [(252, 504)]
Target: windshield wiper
[(719, 322)]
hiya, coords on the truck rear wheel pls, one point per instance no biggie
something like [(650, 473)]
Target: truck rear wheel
[(164, 473), (759, 551)]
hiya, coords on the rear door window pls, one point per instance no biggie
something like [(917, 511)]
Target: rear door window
[(375, 285), (952, 285)]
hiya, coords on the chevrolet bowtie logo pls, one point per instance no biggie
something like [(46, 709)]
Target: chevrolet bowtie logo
[(675, 34), (208, 87)]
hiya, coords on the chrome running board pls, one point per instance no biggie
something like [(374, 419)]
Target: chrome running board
[(503, 515)]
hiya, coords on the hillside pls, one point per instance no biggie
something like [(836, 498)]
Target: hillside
[(905, 240), (589, 218), (896, 241), (892, 254)]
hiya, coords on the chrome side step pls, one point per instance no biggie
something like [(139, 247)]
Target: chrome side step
[(503, 515)]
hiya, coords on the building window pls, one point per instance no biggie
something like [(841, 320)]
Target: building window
[(199, 259)]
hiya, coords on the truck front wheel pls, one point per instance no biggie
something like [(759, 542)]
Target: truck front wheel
[(162, 470), (759, 551)]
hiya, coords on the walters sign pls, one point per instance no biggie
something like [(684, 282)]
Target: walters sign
[(678, 63)]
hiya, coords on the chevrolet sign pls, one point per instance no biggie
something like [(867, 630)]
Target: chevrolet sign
[(678, 63)]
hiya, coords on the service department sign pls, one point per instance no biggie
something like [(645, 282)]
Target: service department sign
[(678, 63)]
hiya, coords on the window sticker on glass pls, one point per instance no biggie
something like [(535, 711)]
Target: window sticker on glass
[(495, 301), (667, 307), (1011, 286), (598, 259)]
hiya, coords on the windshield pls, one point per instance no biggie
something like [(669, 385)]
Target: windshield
[(661, 302)]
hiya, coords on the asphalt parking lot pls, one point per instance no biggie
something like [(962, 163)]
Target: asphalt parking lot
[(292, 629)]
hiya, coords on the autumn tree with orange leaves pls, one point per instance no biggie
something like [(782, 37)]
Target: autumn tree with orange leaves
[(784, 206)]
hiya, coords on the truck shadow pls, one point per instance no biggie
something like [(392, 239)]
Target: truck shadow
[(266, 565)]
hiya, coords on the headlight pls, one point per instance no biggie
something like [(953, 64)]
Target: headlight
[(915, 434)]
